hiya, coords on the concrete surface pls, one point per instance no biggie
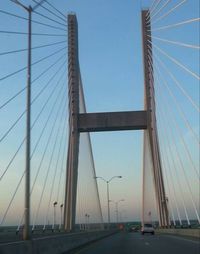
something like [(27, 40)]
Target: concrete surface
[(135, 243), (52, 244), (112, 121), (182, 232)]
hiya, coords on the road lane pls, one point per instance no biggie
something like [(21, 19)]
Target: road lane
[(135, 243)]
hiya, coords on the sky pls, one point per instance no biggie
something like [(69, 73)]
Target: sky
[(110, 57)]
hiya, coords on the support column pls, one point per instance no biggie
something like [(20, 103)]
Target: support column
[(149, 102), (26, 230), (73, 147)]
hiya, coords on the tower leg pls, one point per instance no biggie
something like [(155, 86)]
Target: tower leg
[(151, 123), (73, 147)]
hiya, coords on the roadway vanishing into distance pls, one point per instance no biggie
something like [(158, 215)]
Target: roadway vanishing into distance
[(135, 243)]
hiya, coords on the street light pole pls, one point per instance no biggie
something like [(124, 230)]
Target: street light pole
[(116, 203), (86, 221), (26, 233), (26, 229), (54, 215), (108, 195), (108, 200), (61, 215), (117, 212)]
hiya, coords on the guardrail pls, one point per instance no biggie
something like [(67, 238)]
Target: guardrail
[(191, 232), (53, 244)]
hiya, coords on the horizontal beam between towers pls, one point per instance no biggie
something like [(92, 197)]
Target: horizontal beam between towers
[(112, 121)]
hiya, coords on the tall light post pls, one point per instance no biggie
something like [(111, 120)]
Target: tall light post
[(124, 217), (26, 230), (54, 215), (108, 194), (61, 215), (88, 222), (87, 216), (117, 212)]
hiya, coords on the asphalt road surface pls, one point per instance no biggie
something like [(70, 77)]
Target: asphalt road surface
[(135, 243)]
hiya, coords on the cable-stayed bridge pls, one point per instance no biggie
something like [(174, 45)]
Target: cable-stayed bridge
[(48, 179)]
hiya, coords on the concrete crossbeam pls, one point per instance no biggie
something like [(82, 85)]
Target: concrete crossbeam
[(112, 121)]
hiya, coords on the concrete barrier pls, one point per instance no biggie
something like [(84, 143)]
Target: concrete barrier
[(182, 232), (53, 244)]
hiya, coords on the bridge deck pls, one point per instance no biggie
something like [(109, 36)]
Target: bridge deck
[(125, 243)]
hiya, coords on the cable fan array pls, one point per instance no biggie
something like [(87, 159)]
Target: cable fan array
[(49, 126), (49, 116), (174, 69)]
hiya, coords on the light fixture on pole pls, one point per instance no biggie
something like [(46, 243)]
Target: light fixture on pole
[(117, 212), (88, 222), (54, 215), (87, 216), (61, 215), (124, 217), (26, 230), (108, 194)]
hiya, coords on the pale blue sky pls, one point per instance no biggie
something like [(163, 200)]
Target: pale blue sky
[(110, 56)]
